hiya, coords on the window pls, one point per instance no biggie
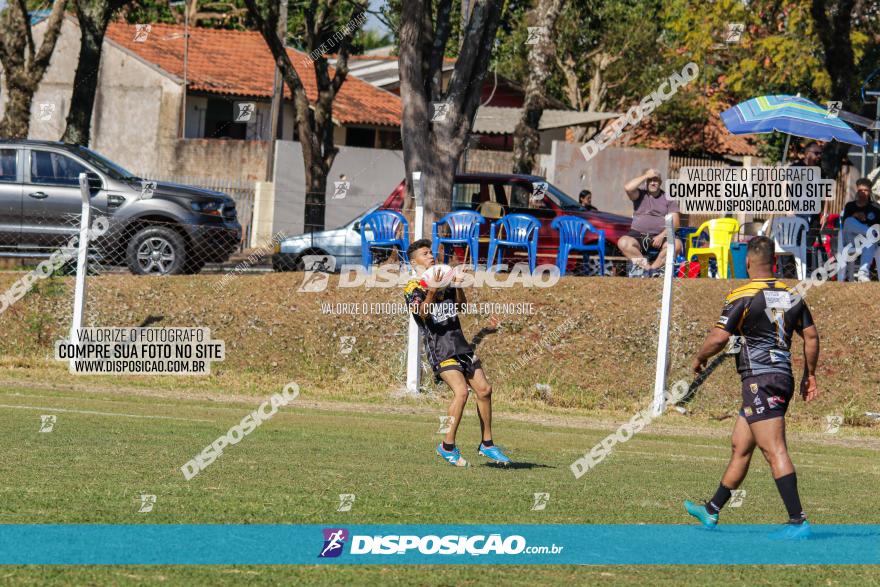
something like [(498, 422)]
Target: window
[(519, 194), (465, 195), (55, 169), (360, 137), (8, 166), (388, 139), (219, 121)]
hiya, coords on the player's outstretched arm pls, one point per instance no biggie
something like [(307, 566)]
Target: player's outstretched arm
[(715, 342), (809, 387)]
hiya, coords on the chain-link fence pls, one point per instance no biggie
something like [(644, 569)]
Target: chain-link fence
[(142, 246)]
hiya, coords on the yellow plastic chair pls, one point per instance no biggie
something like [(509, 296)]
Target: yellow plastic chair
[(721, 234)]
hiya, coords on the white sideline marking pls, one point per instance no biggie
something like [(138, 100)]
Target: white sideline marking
[(94, 413)]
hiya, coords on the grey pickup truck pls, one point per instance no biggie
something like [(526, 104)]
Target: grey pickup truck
[(154, 227)]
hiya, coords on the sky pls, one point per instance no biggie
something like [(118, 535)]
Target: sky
[(373, 23)]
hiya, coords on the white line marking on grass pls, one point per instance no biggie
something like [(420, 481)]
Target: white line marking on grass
[(94, 413)]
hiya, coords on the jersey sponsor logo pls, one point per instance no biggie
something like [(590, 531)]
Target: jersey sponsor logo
[(723, 320), (753, 387), (757, 401), (775, 400), (779, 356), (760, 410), (443, 311), (747, 411), (778, 299)]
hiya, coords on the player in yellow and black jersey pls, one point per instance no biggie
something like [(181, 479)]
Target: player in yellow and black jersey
[(765, 314), (451, 356)]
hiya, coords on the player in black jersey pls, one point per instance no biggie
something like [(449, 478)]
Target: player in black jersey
[(451, 356), (765, 314)]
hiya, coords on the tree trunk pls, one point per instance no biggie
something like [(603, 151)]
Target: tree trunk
[(435, 147), (313, 122), (85, 80), (23, 65), (840, 64), (526, 137), (17, 117), (316, 180)]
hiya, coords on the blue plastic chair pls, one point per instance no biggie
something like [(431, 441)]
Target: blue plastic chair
[(520, 231), (384, 225), (464, 229), (572, 230)]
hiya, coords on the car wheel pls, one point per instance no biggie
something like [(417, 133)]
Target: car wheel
[(156, 250)]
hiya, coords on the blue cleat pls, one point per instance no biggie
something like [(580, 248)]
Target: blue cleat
[(701, 513), (493, 453), (793, 530), (453, 457)]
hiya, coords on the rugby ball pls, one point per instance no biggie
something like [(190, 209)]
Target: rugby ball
[(437, 276)]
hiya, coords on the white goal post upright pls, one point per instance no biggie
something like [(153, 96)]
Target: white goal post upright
[(413, 367), (665, 311), (79, 296)]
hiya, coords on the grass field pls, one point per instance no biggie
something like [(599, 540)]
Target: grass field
[(108, 447)]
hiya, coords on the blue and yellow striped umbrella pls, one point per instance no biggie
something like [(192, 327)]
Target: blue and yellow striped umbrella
[(789, 114)]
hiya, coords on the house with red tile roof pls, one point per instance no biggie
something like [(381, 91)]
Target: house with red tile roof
[(215, 94)]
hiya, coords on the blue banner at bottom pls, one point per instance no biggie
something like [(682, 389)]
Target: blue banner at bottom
[(173, 544)]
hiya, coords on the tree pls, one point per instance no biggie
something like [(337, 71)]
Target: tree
[(834, 32), (437, 122), (797, 46), (93, 17), (605, 53), (323, 21), (526, 138), (24, 65)]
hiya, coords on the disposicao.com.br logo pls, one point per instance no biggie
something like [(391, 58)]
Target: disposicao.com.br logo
[(493, 544)]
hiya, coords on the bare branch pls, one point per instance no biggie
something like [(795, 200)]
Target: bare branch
[(53, 31)]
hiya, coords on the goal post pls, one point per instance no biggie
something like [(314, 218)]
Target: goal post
[(665, 311), (82, 260), (413, 365)]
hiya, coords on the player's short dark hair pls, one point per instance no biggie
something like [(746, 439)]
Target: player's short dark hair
[(864, 181), (416, 245), (811, 144), (762, 249), (585, 193)]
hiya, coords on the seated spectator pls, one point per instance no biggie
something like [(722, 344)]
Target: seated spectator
[(648, 231), (858, 216), (586, 200)]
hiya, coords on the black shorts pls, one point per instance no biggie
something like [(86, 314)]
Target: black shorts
[(645, 241), (467, 363), (766, 396)]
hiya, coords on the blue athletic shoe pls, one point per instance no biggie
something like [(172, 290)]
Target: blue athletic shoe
[(793, 530), (701, 513), (453, 457), (493, 453)]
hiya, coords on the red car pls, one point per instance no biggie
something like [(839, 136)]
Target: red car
[(494, 195)]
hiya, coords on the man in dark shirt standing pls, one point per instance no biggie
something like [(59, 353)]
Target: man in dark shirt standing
[(859, 216), (648, 229), (765, 314)]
